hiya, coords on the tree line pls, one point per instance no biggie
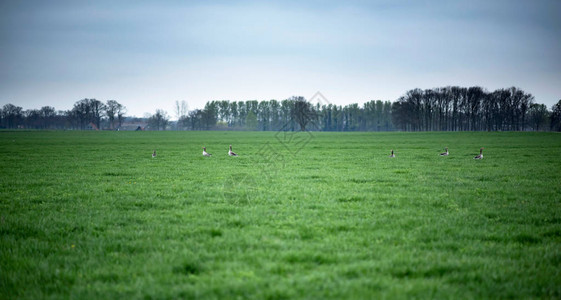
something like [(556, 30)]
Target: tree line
[(86, 114), (290, 114), (449, 108), (460, 109)]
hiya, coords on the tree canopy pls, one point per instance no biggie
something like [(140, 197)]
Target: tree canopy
[(450, 108)]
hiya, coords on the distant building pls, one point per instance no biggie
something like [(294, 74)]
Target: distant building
[(133, 125)]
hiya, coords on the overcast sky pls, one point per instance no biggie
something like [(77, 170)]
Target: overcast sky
[(148, 54)]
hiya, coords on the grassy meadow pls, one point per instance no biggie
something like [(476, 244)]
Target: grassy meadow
[(297, 215)]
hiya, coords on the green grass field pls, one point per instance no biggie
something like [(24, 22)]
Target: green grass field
[(296, 215)]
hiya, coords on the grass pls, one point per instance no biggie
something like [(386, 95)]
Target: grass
[(296, 215)]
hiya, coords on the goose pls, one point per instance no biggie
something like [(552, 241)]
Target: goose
[(206, 153), (231, 153), (392, 155), (154, 154), (480, 156), (445, 153)]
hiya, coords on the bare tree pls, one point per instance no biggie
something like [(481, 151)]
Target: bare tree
[(539, 115), (32, 118), (12, 116), (48, 114), (114, 109), (303, 112), (159, 120), (180, 109), (121, 111), (556, 117), (81, 112), (98, 108), (88, 111)]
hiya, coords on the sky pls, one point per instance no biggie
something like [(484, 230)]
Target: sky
[(149, 54)]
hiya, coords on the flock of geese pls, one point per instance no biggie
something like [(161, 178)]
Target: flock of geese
[(231, 153), (445, 153)]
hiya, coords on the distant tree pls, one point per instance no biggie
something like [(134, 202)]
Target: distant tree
[(287, 113), (386, 116), (415, 108), (326, 118), (515, 115), (98, 109), (264, 115), (159, 120), (303, 112), (539, 115), (242, 113), (489, 112), (12, 116), (251, 121), (556, 117), (502, 108), (275, 115), (121, 111), (70, 119), (456, 101), (252, 106), (233, 108), (474, 98), (82, 112), (352, 117), (114, 109), (458, 108), (210, 115), (525, 103), (428, 101), (195, 119), (88, 111), (224, 113), (48, 116), (181, 109), (32, 118), (446, 108), (61, 120)]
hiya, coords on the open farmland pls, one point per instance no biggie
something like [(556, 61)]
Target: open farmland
[(296, 215)]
